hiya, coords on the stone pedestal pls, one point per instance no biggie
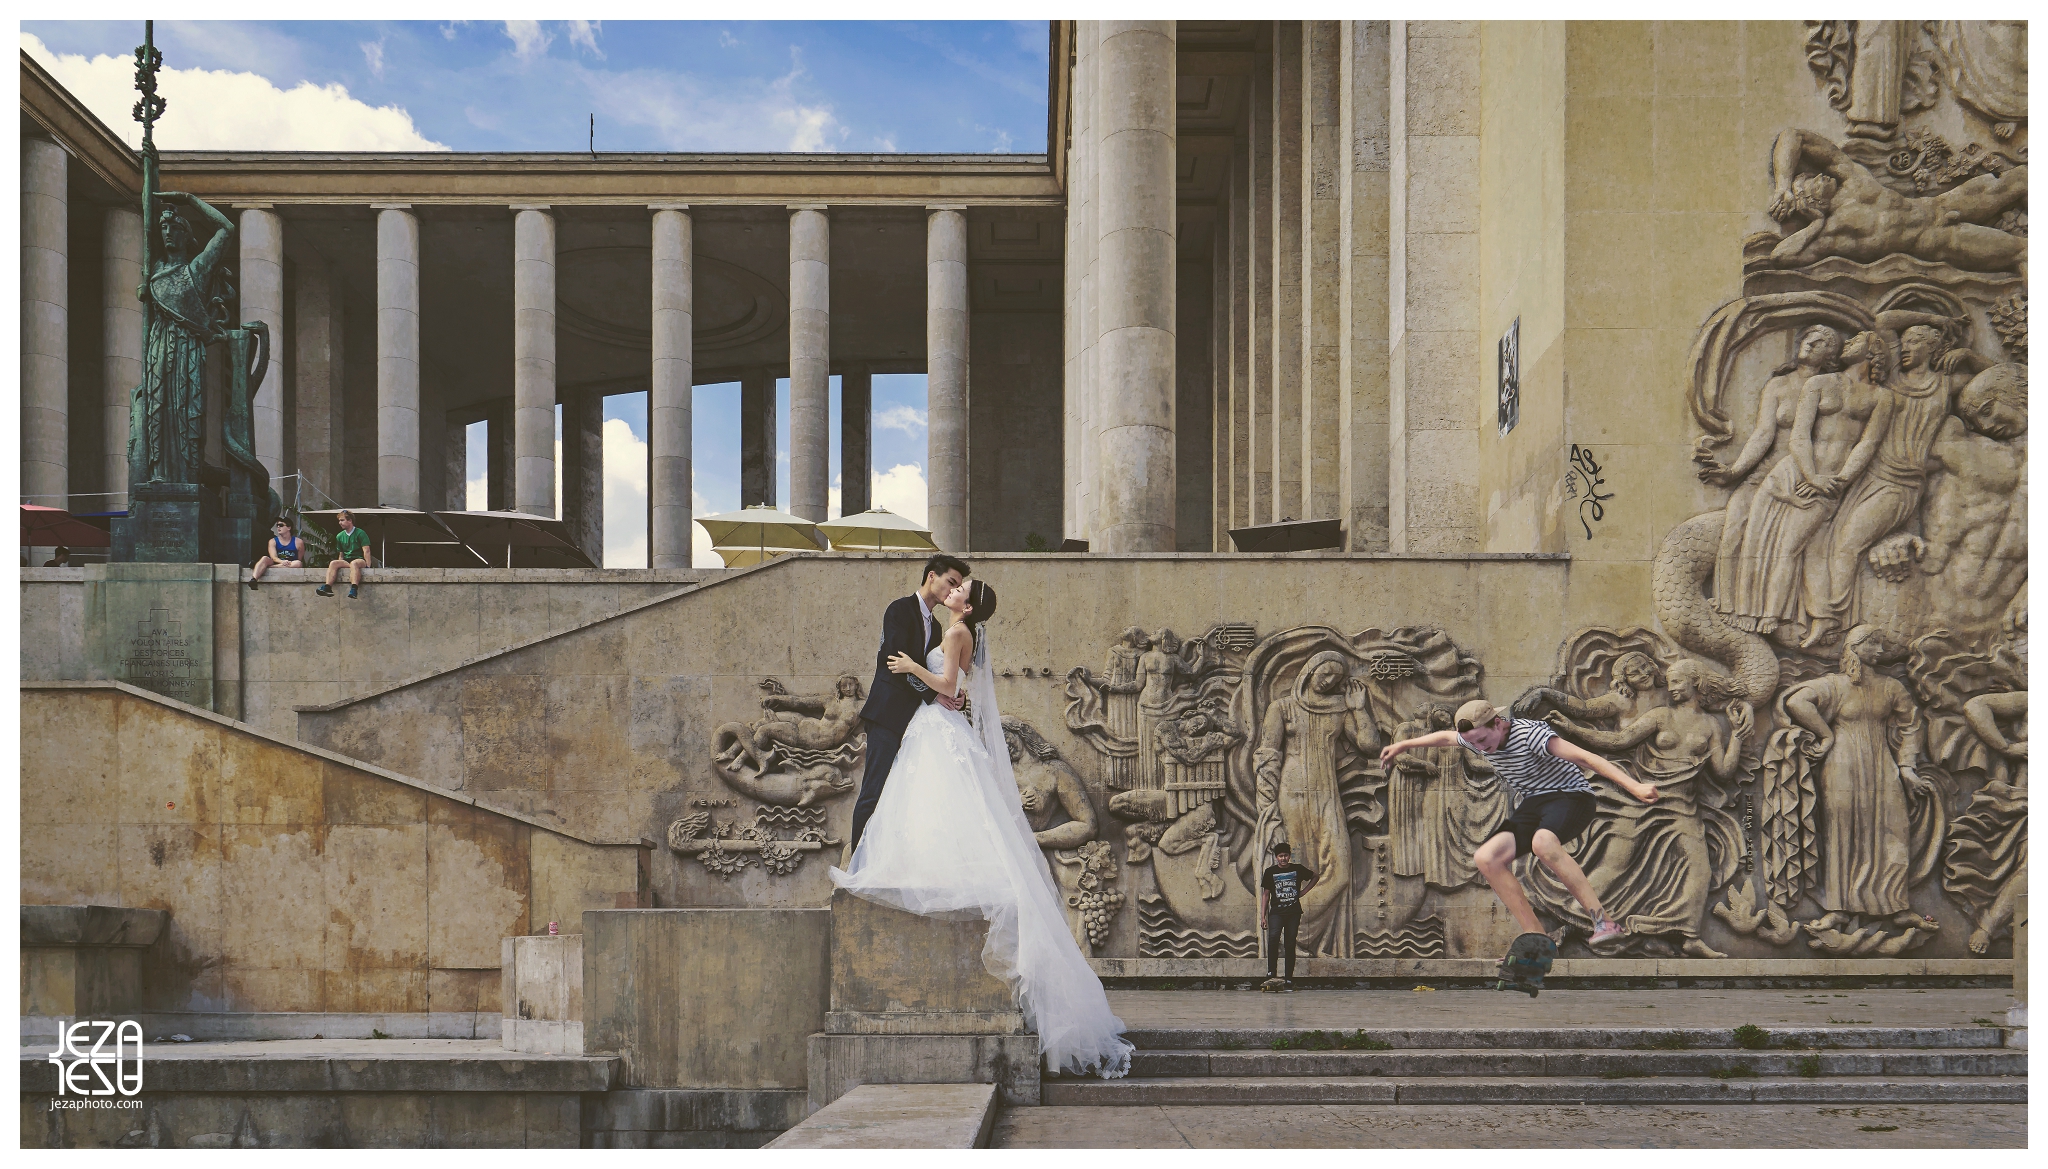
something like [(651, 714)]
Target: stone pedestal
[(168, 523), (912, 1003), (84, 961), (705, 998), (151, 625), (542, 992)]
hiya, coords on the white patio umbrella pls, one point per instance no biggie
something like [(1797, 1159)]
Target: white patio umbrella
[(760, 529), (877, 530)]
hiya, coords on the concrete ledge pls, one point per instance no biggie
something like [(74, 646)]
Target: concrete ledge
[(689, 1118), (1463, 1090), (248, 1026), (841, 1063), (1504, 1039), (899, 1116), (542, 1036), (420, 1065), (1424, 969)]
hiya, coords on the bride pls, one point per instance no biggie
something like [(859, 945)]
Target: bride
[(949, 839)]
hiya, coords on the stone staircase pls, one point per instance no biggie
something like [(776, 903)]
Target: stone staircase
[(1563, 1065)]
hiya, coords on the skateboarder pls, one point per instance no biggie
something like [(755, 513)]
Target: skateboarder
[(1280, 892), (1556, 804)]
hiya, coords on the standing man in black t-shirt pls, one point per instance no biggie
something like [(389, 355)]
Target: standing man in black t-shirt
[(1280, 892)]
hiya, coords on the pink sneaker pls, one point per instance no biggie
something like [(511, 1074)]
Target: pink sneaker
[(1606, 930)]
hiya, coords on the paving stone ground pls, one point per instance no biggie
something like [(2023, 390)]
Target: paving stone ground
[(1349, 1009), (1462, 1126)]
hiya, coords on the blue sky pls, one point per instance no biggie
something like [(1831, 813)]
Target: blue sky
[(653, 85), (935, 87)]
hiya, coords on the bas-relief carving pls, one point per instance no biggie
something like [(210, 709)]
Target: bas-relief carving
[(1064, 820), (1843, 682), (1233, 743)]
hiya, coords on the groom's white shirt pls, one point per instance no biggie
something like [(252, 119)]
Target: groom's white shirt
[(927, 611)]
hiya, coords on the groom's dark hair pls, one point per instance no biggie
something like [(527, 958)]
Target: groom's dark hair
[(942, 564)]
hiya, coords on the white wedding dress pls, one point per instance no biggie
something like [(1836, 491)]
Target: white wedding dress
[(949, 839)]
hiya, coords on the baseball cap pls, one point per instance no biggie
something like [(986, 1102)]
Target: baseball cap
[(1476, 713)]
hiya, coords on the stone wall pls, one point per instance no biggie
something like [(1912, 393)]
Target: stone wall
[(651, 723), (298, 648), (294, 880)]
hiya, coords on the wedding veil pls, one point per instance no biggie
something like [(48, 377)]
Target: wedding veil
[(981, 696)]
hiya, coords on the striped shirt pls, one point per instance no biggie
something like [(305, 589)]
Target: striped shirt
[(1524, 762)]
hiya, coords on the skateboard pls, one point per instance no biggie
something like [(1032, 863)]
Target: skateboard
[(1528, 960), (1275, 986)]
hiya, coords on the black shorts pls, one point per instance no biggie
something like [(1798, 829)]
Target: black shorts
[(1566, 814)]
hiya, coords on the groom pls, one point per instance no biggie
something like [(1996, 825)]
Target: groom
[(908, 627)]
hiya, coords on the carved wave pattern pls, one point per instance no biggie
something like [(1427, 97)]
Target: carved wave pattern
[(1160, 935), (1420, 939)]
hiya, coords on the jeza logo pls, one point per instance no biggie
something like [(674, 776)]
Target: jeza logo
[(98, 1057)]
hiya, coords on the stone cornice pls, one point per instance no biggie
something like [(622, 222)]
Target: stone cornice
[(567, 180), (84, 136)]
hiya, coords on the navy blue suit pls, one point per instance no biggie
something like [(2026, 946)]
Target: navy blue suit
[(892, 700)]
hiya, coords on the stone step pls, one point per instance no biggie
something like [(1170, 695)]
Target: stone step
[(1543, 1090), (899, 1116), (1609, 1064), (1556, 1038)]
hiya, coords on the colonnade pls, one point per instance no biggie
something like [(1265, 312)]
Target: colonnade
[(45, 373)]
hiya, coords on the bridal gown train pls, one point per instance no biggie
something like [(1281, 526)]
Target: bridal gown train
[(949, 839)]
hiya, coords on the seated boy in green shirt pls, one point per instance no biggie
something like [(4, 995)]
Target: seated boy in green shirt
[(354, 545)]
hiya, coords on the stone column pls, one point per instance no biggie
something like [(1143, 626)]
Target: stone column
[(669, 480), (1136, 291), (1433, 287), (757, 438), (1287, 249), (945, 339), (1082, 245), (1362, 294), (498, 431), (1240, 334), (1259, 429), (45, 325), (1321, 268), (810, 358), (121, 343), (317, 355), (261, 236), (533, 360), (1219, 378), (583, 471), (398, 356), (856, 439), (1194, 406)]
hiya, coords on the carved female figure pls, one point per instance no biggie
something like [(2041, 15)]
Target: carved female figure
[(1296, 764), (1839, 420), (1109, 705), (1658, 865), (1633, 689), (1820, 351), (1866, 733), (1158, 668), (166, 438), (1888, 494)]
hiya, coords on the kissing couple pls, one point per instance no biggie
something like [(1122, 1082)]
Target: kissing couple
[(939, 827)]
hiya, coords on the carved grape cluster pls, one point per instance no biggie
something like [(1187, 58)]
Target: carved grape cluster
[(1097, 907)]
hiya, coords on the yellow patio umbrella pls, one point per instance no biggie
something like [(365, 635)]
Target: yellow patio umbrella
[(760, 530), (877, 530)]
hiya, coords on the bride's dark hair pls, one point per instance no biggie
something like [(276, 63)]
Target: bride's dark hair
[(981, 603)]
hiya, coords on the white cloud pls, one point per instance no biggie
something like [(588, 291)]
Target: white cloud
[(726, 40), (373, 53), (529, 39), (886, 144), (625, 497), (216, 109), (452, 27), (901, 489), (701, 555), (908, 419), (584, 33), (681, 111)]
